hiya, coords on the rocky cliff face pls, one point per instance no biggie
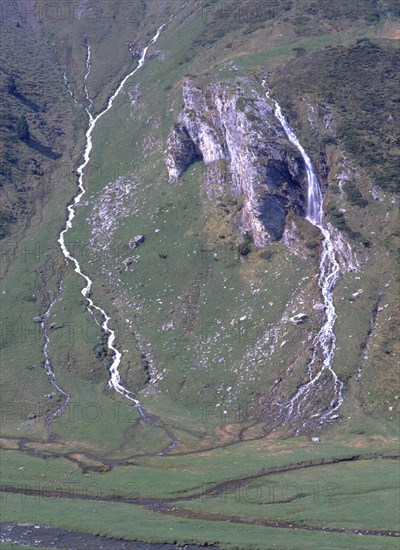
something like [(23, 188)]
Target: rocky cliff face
[(232, 129)]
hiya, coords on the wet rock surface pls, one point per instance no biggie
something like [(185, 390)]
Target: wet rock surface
[(40, 536)]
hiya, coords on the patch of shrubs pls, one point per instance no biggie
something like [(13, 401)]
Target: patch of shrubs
[(338, 220), (244, 247), (353, 195)]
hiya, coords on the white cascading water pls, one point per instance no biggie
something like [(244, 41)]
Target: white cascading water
[(49, 369), (115, 379), (325, 340), (88, 69)]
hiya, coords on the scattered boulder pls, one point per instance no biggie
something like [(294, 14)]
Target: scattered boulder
[(50, 395), (168, 326), (315, 439), (135, 51), (38, 319), (355, 295), (319, 306), (299, 318), (136, 241), (31, 415)]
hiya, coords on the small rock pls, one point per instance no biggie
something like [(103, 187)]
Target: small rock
[(55, 326), (319, 307), (136, 241), (168, 326), (355, 295), (315, 439), (38, 319), (31, 416), (299, 318)]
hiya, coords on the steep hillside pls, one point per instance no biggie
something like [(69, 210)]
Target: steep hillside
[(200, 280)]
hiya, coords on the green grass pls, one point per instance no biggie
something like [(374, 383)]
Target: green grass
[(174, 280), (133, 522), (352, 495)]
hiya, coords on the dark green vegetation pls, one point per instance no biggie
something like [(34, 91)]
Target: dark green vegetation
[(361, 82), (37, 122), (197, 296)]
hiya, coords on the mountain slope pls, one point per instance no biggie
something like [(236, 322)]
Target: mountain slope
[(194, 233)]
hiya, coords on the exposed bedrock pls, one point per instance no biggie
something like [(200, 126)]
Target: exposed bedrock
[(232, 129)]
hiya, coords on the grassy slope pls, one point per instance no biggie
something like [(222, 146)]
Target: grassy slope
[(158, 206)]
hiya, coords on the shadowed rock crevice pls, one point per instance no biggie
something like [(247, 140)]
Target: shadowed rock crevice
[(183, 150)]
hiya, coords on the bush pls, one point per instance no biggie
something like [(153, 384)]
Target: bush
[(299, 51), (252, 117), (244, 247), (353, 195), (23, 129), (6, 219), (11, 85)]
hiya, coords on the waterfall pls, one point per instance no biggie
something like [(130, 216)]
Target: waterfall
[(314, 194), (325, 341)]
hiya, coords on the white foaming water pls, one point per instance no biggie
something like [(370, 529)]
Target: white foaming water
[(115, 380), (88, 68), (325, 341), (47, 361), (49, 369), (314, 195)]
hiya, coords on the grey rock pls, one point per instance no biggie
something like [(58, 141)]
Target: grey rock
[(168, 326), (299, 318), (232, 128), (136, 241), (355, 295)]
